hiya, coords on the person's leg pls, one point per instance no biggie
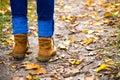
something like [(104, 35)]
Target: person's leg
[(19, 16), (45, 11), (20, 27)]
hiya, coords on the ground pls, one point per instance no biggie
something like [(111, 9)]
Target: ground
[(81, 37)]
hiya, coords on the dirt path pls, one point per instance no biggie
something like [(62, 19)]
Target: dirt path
[(80, 38)]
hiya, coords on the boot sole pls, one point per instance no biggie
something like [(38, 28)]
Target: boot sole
[(45, 59), (20, 56)]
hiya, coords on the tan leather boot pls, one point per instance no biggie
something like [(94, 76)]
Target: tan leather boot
[(46, 49), (20, 46)]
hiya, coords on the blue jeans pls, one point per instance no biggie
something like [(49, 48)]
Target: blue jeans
[(45, 11)]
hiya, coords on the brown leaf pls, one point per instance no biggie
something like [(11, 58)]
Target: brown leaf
[(39, 71), (31, 66), (29, 77)]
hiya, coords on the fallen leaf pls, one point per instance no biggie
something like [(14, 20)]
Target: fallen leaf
[(36, 77), (62, 18), (72, 38), (111, 63), (87, 41), (8, 41), (106, 60), (85, 31), (31, 66), (103, 67), (107, 14), (56, 77), (29, 77), (116, 13), (14, 66), (39, 71), (75, 61)]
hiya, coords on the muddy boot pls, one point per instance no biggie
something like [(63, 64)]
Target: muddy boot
[(20, 46), (46, 49)]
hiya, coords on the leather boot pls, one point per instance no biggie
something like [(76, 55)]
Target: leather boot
[(20, 46), (46, 49)]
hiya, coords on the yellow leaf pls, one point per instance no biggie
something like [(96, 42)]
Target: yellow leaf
[(29, 77), (95, 13), (62, 18), (36, 77), (39, 71), (26, 62), (8, 41), (85, 31), (72, 38), (115, 13), (106, 60), (72, 61), (31, 66), (71, 18), (102, 67), (97, 19), (89, 41), (107, 14), (14, 67), (111, 63), (75, 62), (56, 77)]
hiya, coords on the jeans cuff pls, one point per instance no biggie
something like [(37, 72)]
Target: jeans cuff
[(20, 25), (45, 28)]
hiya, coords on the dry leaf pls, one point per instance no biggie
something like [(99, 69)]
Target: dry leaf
[(75, 62), (39, 71), (62, 18), (14, 67), (107, 14), (36, 77), (31, 66), (56, 77), (29, 77), (72, 38), (87, 41), (8, 41), (102, 67), (106, 60), (85, 31), (111, 63)]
